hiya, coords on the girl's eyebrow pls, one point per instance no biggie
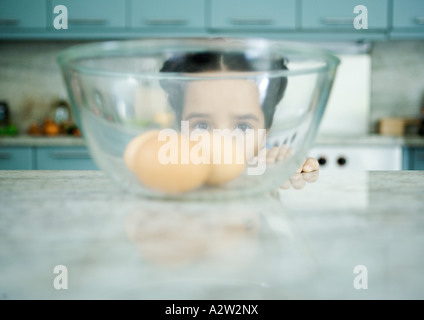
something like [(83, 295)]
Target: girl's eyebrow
[(249, 116), (197, 115)]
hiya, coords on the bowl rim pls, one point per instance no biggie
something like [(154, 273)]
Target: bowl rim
[(68, 57)]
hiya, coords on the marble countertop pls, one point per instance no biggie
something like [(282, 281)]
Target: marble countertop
[(371, 139), (348, 235)]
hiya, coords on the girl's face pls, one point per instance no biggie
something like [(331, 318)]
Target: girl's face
[(223, 104), (226, 104)]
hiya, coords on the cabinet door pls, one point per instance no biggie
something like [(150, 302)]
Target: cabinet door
[(339, 15), (22, 14), (252, 15), (91, 15), (174, 15), (408, 15), (418, 159), (64, 158), (16, 158)]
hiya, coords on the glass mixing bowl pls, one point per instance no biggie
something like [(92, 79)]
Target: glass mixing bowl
[(150, 111)]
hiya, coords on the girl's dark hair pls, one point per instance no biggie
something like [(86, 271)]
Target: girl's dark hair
[(213, 61)]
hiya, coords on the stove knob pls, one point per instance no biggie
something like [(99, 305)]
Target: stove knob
[(341, 161), (322, 161)]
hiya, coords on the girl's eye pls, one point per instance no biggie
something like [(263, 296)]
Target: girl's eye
[(202, 126), (243, 127)]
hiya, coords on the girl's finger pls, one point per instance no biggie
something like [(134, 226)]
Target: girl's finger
[(283, 153), (297, 181), (272, 155), (310, 165)]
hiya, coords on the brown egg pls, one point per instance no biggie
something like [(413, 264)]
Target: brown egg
[(228, 160), (134, 146), (164, 165)]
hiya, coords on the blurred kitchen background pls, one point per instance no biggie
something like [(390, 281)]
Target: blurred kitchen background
[(375, 116)]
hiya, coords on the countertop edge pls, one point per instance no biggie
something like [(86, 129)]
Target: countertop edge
[(42, 141), (327, 140)]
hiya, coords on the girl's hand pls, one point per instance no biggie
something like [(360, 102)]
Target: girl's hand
[(276, 154), (307, 172), (310, 165)]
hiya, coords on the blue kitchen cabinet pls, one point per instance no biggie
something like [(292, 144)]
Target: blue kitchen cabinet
[(336, 15), (64, 158), (418, 159), (413, 158), (167, 15), (89, 16), (22, 16), (252, 15), (286, 19), (16, 158), (408, 19)]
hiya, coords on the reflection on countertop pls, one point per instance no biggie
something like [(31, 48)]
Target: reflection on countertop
[(295, 243)]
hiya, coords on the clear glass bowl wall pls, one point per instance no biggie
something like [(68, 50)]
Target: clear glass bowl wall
[(116, 92)]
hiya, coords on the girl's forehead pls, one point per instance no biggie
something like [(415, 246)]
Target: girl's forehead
[(211, 93), (223, 97), (236, 86)]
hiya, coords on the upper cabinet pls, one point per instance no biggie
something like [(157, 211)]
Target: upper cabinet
[(252, 15), (340, 15), (167, 15), (22, 16), (86, 16), (290, 19), (408, 18)]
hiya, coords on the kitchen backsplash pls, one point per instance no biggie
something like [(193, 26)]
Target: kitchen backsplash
[(397, 80), (30, 80)]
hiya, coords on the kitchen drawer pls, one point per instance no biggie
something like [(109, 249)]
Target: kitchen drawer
[(413, 158), (252, 14), (64, 158), (23, 14), (90, 15), (169, 15), (338, 15), (418, 159), (408, 15), (16, 158)]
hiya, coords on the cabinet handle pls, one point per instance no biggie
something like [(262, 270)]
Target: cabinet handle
[(93, 22), (337, 20), (70, 155), (251, 21), (166, 21), (9, 22), (419, 20), (5, 155)]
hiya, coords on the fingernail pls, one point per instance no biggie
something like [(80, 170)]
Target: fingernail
[(307, 168)]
